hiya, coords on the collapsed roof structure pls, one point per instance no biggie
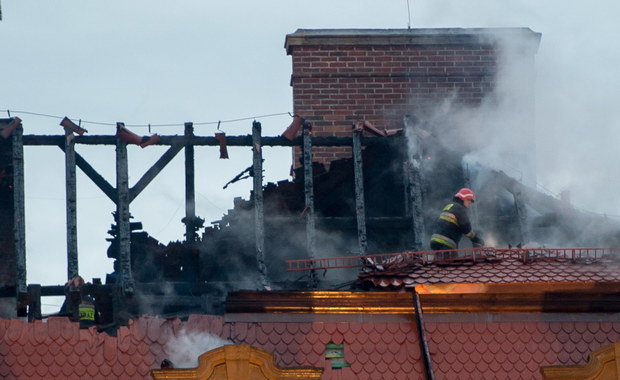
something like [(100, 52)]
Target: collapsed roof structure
[(378, 146)]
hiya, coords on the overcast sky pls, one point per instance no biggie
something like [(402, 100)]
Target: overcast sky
[(158, 62)]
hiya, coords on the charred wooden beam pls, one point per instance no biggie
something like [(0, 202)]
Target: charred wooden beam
[(19, 219), (142, 183), (540, 202), (414, 183), (309, 198), (154, 171), (71, 203), (360, 207), (120, 300), (122, 216), (43, 140), (94, 176), (34, 302), (259, 217), (190, 191)]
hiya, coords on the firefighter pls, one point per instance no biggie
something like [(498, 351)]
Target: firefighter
[(453, 222), (87, 313)]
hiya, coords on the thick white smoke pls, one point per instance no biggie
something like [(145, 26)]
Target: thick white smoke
[(499, 132), (185, 348)]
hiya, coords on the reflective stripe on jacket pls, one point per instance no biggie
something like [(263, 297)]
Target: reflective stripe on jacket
[(452, 224)]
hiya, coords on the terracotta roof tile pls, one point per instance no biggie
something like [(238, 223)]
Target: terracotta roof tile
[(130, 370), (337, 338), (16, 350), (494, 272), (374, 350), (160, 331), (14, 330), (274, 339), (118, 369), (124, 359), (305, 349), (287, 359), (329, 328), (260, 336), (280, 349), (105, 370), (381, 348), (140, 327), (316, 348), (324, 338), (393, 348), (287, 338), (355, 346), (143, 349), (300, 338), (315, 360)]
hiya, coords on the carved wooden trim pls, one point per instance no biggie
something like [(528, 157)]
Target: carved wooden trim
[(603, 364), (238, 362)]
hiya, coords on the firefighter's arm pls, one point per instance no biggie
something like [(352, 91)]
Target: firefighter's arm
[(476, 240)]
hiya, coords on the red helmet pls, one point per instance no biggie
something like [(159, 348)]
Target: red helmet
[(466, 193)]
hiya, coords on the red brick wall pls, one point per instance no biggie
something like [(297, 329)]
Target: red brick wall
[(341, 76)]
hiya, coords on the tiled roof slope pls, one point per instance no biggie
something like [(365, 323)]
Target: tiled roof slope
[(58, 349), (506, 271)]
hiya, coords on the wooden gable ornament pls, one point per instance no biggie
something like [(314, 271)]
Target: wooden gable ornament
[(238, 362), (603, 364)]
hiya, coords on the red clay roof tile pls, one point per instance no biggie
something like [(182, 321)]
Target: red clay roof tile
[(324, 338), (14, 330), (316, 360), (388, 350)]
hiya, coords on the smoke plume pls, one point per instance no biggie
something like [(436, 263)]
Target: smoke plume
[(185, 348)]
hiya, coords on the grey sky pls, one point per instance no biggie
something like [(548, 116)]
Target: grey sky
[(155, 62)]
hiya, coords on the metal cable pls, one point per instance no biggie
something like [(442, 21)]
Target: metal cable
[(147, 125)]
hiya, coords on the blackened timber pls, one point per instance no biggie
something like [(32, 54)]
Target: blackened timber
[(414, 180), (122, 216), (190, 195), (154, 171), (19, 219), (209, 140), (7, 292), (359, 193), (259, 217), (71, 203), (94, 176), (120, 314), (34, 302), (309, 198)]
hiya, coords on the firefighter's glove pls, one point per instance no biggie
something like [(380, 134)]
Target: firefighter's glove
[(477, 241)]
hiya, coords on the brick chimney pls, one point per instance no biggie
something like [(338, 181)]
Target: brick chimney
[(343, 75)]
